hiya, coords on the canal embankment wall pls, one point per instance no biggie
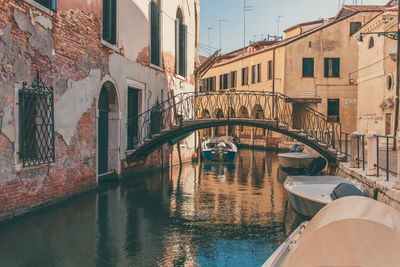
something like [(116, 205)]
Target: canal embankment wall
[(378, 188)]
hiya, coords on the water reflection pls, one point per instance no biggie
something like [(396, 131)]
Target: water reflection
[(215, 214)]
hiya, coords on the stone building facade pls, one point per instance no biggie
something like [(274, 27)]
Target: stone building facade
[(89, 55), (377, 76)]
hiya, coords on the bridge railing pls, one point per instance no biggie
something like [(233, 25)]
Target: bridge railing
[(257, 105)]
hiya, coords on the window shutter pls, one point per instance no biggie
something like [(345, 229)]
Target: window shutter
[(182, 50), (229, 80), (214, 88), (336, 67), (326, 67), (220, 82), (106, 21), (155, 33), (54, 5), (177, 48)]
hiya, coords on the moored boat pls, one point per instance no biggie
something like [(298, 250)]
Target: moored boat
[(351, 231), (295, 160), (309, 194), (219, 150)]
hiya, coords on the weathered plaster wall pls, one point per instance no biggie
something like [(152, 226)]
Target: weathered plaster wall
[(60, 46), (375, 66)]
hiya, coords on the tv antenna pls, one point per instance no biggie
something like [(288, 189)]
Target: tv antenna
[(278, 21), (246, 8), (220, 32)]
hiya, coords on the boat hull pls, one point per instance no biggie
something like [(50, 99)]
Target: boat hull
[(309, 194), (295, 160), (215, 156)]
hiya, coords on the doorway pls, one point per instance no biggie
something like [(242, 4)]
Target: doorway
[(108, 130)]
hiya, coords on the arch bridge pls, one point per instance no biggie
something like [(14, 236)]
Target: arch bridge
[(184, 113)]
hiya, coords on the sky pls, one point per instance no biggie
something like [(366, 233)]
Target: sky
[(260, 21)]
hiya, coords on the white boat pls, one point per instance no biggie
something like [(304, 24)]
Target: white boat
[(351, 231), (309, 194), (218, 150), (295, 160)]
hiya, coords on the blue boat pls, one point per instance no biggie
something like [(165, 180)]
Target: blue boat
[(218, 150)]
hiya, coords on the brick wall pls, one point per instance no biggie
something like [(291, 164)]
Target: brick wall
[(66, 52)]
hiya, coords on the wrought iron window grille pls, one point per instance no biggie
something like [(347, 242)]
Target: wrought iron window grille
[(36, 123)]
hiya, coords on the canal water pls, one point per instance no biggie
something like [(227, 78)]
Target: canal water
[(213, 214)]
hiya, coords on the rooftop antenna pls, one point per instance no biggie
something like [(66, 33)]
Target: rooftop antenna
[(246, 8), (278, 21), (220, 32), (209, 40)]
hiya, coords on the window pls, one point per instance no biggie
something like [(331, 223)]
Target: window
[(270, 69), (258, 73), (110, 21), (233, 79), (180, 44), (50, 4), (332, 67), (389, 82), (223, 81), (36, 124), (155, 32), (253, 74), (308, 67), (333, 110), (354, 27), (245, 76), (371, 43), (208, 84), (133, 112)]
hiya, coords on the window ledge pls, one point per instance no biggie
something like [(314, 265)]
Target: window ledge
[(111, 46), (19, 168), (180, 77), (40, 7), (159, 68)]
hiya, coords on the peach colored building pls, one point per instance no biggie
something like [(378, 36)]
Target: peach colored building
[(315, 64)]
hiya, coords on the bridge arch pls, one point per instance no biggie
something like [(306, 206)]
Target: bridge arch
[(148, 148)]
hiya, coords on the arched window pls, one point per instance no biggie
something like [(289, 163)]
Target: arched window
[(371, 43), (155, 32), (389, 81), (180, 44)]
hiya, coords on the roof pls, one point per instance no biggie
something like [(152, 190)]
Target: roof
[(364, 7), (391, 3), (305, 24), (289, 40)]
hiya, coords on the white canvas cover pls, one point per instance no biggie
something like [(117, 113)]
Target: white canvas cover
[(351, 231)]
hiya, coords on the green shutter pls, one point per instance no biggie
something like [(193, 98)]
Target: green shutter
[(182, 49), (177, 46), (336, 67), (155, 34), (214, 88), (354, 27), (220, 82), (326, 67)]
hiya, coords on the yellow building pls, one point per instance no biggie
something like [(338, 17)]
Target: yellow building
[(315, 64), (376, 75)]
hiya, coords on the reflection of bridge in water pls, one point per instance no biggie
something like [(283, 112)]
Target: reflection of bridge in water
[(184, 113)]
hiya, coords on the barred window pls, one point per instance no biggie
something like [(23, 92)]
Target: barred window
[(36, 124)]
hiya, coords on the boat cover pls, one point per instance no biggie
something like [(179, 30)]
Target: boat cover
[(351, 231)]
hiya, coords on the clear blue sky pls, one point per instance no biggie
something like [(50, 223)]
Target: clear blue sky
[(262, 20)]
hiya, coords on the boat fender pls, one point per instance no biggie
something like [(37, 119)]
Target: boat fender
[(345, 190)]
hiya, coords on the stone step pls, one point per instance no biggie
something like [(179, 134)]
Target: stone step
[(146, 141)]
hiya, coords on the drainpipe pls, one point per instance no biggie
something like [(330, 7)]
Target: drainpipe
[(273, 85), (396, 119)]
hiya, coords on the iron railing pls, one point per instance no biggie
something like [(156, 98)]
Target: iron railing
[(382, 159), (277, 108)]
